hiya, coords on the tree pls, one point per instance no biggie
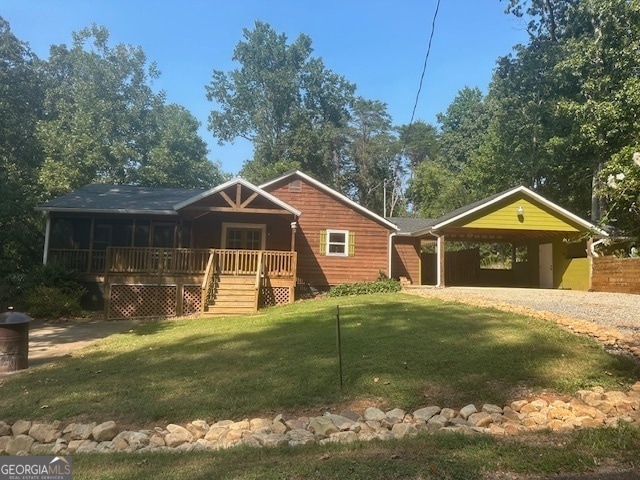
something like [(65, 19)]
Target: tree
[(572, 92), (601, 60), (287, 103), (99, 108), (621, 189), (21, 99), (462, 128), (104, 123), (419, 141), (446, 179), (177, 156), (374, 154), (547, 18)]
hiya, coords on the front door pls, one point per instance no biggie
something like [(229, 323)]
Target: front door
[(546, 265), (243, 236)]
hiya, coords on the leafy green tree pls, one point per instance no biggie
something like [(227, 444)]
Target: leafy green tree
[(434, 190), (104, 123), (547, 18), (374, 154), (99, 112), (601, 60), (522, 100), (446, 179), (419, 141), (177, 156), (567, 101), (21, 100), (621, 189), (287, 103), (462, 128)]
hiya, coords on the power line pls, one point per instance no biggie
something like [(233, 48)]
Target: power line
[(426, 58)]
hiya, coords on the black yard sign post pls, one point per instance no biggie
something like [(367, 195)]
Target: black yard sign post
[(339, 343)]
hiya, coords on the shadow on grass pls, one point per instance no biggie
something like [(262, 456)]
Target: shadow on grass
[(420, 351)]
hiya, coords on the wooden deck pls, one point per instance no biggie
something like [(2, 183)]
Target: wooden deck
[(152, 282)]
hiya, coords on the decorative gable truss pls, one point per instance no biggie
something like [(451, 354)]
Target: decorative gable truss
[(236, 196)]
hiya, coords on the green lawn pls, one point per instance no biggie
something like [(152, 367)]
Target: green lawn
[(426, 457), (422, 352), (283, 360)]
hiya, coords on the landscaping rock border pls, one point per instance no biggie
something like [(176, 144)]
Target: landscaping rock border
[(588, 409)]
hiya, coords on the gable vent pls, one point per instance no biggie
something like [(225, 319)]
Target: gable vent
[(295, 186)]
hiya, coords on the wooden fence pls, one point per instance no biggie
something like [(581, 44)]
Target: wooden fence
[(461, 267), (611, 274)]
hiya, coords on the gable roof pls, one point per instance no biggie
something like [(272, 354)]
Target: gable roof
[(485, 203), (133, 199), (119, 199), (333, 193), (244, 183)]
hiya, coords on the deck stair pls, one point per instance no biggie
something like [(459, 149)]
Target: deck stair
[(233, 295)]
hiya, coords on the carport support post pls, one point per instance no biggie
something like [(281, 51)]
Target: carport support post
[(440, 262)]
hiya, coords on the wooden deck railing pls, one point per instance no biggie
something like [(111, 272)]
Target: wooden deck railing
[(247, 262), (279, 264), (80, 260), (178, 261), (148, 260)]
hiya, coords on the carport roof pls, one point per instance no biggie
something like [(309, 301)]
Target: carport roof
[(420, 227)]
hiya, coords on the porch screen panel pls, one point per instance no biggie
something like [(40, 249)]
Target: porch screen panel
[(142, 231), (163, 236)]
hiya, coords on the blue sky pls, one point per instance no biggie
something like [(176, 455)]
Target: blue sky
[(377, 44)]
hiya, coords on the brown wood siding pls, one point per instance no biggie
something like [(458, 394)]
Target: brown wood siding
[(405, 261), (611, 274), (320, 211), (207, 230)]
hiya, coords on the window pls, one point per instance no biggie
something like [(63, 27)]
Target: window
[(244, 236), (338, 243)]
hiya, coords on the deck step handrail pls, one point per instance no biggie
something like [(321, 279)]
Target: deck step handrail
[(207, 282), (259, 274)]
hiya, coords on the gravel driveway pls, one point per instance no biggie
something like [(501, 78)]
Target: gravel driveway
[(615, 310)]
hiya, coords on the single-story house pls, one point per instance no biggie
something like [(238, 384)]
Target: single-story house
[(238, 246)]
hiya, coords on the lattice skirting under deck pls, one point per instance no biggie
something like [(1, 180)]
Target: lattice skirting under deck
[(270, 296), (136, 301), (191, 299)]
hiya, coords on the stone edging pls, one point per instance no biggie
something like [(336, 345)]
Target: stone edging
[(590, 408)]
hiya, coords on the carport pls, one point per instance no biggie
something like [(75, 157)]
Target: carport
[(548, 245)]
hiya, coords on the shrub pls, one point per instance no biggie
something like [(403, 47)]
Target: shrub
[(55, 302), (45, 291), (364, 288)]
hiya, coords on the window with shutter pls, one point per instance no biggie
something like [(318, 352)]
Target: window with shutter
[(337, 243)]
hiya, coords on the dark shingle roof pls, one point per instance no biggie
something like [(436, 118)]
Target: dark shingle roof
[(121, 198), (408, 225)]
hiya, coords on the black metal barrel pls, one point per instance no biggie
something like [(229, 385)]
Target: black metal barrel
[(14, 341)]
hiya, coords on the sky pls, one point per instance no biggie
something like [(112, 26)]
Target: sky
[(379, 45)]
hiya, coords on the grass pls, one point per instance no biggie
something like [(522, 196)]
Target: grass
[(435, 456), (283, 360), (422, 351)]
